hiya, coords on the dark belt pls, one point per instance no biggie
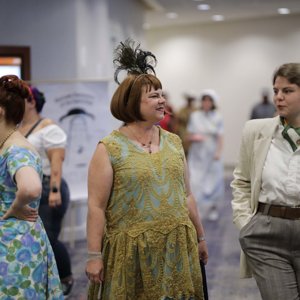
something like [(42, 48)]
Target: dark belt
[(279, 211)]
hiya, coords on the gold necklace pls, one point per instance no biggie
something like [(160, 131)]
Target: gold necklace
[(144, 145), (6, 138)]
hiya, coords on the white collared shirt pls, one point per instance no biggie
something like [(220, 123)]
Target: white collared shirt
[(281, 173)]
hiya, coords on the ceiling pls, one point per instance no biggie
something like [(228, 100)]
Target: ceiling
[(231, 10)]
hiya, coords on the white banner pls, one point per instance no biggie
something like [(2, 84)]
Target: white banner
[(83, 111)]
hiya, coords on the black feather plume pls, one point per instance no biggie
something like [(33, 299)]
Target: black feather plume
[(129, 57)]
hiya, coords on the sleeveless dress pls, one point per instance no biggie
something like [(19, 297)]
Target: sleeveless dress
[(27, 265), (150, 247)]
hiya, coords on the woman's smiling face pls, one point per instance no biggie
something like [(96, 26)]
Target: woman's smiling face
[(152, 104)]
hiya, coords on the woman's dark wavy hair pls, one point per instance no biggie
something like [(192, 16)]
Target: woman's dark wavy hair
[(38, 97), (13, 93), (139, 64)]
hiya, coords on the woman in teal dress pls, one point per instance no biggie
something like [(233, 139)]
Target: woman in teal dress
[(143, 223), (27, 265)]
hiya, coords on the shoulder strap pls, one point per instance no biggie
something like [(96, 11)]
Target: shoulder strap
[(33, 127)]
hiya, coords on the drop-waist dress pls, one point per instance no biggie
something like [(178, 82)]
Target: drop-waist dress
[(27, 265), (150, 247)]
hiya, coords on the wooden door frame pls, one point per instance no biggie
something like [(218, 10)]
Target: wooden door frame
[(20, 51)]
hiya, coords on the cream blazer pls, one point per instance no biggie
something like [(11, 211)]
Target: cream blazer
[(246, 185)]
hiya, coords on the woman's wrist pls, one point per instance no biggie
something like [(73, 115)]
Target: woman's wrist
[(17, 204), (54, 188), (91, 255), (201, 238)]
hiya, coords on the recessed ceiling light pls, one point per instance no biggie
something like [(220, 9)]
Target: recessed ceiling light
[(203, 7), (217, 18), (171, 15), (283, 11)]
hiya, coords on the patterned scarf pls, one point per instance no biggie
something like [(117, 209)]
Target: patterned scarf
[(291, 134)]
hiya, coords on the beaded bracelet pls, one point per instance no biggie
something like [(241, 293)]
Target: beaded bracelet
[(94, 255)]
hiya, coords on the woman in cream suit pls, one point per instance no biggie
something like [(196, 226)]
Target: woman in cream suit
[(266, 193)]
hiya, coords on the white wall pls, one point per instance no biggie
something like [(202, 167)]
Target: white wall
[(48, 28), (70, 39), (237, 59), (126, 20), (100, 26), (93, 35)]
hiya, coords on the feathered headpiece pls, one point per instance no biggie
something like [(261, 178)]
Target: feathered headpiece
[(129, 57)]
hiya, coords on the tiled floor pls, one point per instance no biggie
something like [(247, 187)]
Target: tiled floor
[(222, 269)]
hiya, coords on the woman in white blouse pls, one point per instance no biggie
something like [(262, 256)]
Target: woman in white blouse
[(266, 193), (50, 141)]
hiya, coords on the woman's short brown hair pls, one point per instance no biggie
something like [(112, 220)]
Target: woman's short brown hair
[(126, 101), (13, 92), (289, 71)]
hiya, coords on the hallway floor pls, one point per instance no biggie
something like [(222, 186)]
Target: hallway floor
[(222, 269)]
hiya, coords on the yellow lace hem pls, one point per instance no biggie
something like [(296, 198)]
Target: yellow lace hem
[(154, 263)]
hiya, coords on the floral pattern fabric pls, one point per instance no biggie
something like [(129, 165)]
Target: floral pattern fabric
[(150, 247), (27, 264)]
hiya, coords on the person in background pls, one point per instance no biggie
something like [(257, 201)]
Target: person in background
[(168, 121), (264, 109), (50, 141), (205, 133), (266, 193), (182, 119), (27, 265), (142, 222)]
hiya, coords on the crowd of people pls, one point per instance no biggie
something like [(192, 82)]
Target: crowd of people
[(151, 183)]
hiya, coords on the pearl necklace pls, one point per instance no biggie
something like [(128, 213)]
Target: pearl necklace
[(144, 145), (6, 138)]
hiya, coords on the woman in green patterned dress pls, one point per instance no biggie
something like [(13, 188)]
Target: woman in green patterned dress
[(27, 265), (145, 237)]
